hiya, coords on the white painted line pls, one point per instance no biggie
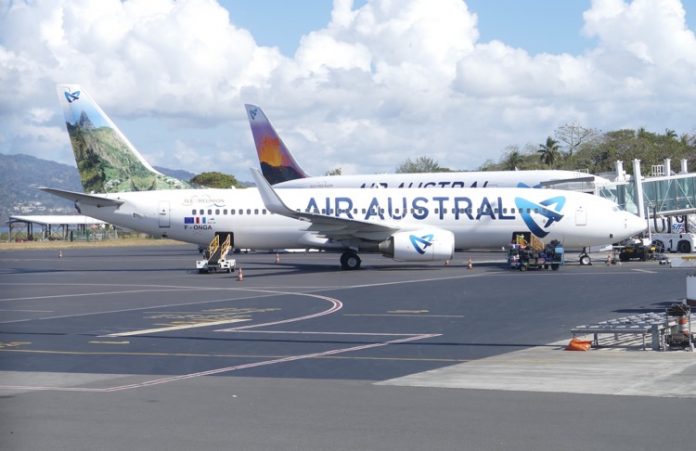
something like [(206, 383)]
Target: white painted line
[(299, 332), (404, 315), (178, 327), (77, 295), (644, 270), (228, 369), (27, 311), (104, 342)]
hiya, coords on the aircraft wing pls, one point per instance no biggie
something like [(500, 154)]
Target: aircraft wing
[(86, 199), (331, 227)]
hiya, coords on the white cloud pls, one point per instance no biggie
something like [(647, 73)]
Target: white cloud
[(378, 84)]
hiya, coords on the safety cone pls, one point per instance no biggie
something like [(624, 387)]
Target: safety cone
[(446, 262), (469, 264), (240, 274), (277, 260), (576, 344), (60, 254)]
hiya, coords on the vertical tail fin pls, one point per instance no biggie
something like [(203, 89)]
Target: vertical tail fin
[(277, 163), (106, 160)]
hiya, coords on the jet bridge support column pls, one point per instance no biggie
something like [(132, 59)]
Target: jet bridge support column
[(639, 188)]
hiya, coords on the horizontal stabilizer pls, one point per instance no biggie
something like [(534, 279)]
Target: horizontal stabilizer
[(86, 199)]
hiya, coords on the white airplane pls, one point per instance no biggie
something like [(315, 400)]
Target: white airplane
[(282, 171), (426, 224), (405, 224)]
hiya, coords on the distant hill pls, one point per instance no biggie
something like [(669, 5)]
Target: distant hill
[(20, 178), (176, 173), (22, 175)]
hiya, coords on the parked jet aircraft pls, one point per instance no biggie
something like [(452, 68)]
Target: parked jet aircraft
[(405, 224), (281, 170), (107, 161)]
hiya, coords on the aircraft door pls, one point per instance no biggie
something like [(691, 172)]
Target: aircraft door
[(163, 214), (580, 217)]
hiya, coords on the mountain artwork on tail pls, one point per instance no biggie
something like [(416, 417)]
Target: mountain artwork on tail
[(106, 160)]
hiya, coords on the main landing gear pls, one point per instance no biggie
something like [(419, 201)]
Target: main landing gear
[(585, 258), (350, 260)]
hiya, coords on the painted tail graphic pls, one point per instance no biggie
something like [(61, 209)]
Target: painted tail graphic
[(106, 160), (277, 164)]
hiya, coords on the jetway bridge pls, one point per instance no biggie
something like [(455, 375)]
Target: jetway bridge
[(665, 199)]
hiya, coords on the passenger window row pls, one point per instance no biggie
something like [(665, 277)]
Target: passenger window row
[(231, 211), (263, 211)]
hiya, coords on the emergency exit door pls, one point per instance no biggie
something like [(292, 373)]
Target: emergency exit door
[(164, 214)]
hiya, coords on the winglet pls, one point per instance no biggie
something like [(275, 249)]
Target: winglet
[(276, 161), (270, 198)]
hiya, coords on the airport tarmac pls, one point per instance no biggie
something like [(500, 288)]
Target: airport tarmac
[(130, 348)]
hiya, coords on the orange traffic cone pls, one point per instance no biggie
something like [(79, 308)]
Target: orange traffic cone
[(576, 344), (240, 274), (277, 260), (469, 264)]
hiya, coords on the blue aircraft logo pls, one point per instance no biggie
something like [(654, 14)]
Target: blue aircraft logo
[(72, 96), (252, 113), (421, 243), (549, 209)]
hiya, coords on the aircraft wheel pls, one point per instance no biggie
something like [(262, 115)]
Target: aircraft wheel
[(350, 261), (585, 260), (659, 246)]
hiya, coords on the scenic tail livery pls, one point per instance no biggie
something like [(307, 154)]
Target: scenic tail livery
[(107, 161), (277, 164), (282, 171)]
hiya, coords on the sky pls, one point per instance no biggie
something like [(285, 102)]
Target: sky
[(357, 85)]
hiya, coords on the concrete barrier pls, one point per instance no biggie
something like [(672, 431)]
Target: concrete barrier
[(691, 290)]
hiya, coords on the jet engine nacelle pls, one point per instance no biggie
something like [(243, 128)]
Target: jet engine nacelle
[(419, 245)]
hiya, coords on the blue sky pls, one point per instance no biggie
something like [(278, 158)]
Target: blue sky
[(552, 26), (382, 82)]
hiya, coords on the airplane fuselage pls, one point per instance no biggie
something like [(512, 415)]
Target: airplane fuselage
[(448, 180), (477, 218)]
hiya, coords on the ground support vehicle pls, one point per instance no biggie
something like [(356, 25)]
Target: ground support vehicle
[(525, 258), (638, 251), (675, 242), (216, 255)]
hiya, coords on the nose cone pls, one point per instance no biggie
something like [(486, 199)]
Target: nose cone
[(634, 224)]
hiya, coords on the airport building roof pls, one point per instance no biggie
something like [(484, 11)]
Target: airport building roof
[(55, 219)]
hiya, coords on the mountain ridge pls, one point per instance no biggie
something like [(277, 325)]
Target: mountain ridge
[(22, 175)]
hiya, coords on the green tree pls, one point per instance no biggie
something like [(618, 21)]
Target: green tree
[(549, 153), (513, 159), (421, 164), (335, 171), (573, 135), (215, 180)]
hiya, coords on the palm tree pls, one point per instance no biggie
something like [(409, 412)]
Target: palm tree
[(549, 152), (513, 160)]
